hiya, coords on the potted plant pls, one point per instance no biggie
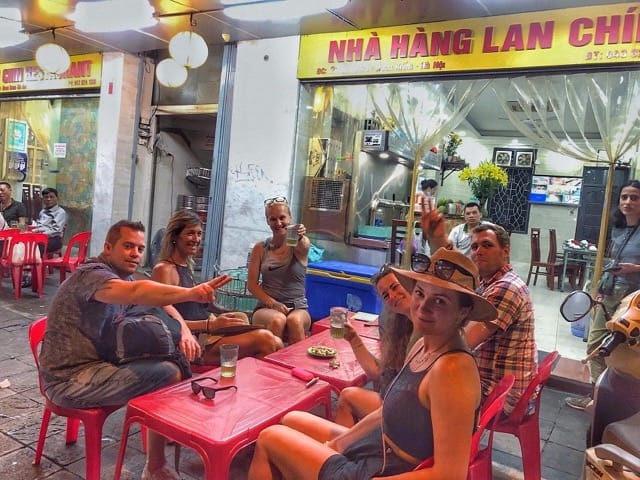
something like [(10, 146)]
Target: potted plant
[(485, 180), (451, 147)]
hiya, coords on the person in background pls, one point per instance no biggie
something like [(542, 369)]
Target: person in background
[(430, 408), (355, 403), (3, 224), (460, 235), (625, 240), (426, 195), (180, 243), (277, 275), (12, 210), (72, 367), (52, 220), (505, 345)]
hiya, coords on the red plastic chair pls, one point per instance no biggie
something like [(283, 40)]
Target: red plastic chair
[(67, 262), (6, 237), (30, 258), (92, 418), (524, 423), (480, 460)]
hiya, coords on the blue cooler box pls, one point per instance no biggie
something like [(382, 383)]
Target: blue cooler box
[(342, 284)]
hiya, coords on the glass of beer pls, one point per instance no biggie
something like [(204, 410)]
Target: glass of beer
[(336, 322), (228, 360), (292, 235)]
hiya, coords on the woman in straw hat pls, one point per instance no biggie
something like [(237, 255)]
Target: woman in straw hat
[(429, 409)]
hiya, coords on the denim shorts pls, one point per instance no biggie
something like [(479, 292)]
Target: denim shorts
[(103, 384)]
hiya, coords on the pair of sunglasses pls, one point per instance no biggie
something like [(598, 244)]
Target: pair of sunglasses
[(208, 392), (443, 269), (384, 270), (279, 199)]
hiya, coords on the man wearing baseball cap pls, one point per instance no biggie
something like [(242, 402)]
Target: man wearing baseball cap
[(505, 345)]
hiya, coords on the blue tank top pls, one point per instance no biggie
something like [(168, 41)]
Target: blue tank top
[(283, 280), (404, 419), (189, 310)]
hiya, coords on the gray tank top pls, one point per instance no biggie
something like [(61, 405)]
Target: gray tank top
[(283, 279)]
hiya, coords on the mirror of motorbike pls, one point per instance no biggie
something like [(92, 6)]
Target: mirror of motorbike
[(576, 306)]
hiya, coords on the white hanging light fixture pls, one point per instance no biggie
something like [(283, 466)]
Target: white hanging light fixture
[(52, 58), (188, 49), (170, 73)]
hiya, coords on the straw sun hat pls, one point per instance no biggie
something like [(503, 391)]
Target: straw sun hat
[(451, 270)]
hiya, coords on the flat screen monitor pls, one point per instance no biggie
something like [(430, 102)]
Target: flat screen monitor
[(556, 190)]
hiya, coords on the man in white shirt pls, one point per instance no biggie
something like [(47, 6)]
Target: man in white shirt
[(460, 236), (52, 219)]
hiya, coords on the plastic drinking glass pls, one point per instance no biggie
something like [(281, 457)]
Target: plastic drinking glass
[(338, 317), (292, 235), (228, 360)]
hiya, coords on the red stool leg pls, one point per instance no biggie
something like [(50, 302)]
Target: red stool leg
[(529, 438), (73, 425), (93, 448)]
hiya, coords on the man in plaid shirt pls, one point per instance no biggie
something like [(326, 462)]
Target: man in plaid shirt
[(506, 345)]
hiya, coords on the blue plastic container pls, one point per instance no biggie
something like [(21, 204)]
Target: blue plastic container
[(331, 283)]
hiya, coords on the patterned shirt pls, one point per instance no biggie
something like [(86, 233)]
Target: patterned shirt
[(512, 348)]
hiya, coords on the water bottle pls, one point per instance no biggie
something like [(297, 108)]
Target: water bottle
[(378, 217)]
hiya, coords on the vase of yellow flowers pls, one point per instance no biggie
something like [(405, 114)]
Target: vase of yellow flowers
[(485, 180)]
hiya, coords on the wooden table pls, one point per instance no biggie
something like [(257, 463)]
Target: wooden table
[(348, 374), (217, 429), (364, 329)]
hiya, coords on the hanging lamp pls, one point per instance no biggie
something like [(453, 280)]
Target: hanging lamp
[(170, 73), (188, 49), (53, 58)]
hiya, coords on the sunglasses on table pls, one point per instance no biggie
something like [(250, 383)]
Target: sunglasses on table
[(208, 392), (279, 199), (443, 269)]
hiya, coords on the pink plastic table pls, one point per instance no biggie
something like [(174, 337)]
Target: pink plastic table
[(348, 374), (364, 329), (217, 429)]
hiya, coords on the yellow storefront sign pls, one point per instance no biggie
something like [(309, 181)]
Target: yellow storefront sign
[(84, 73), (597, 35)]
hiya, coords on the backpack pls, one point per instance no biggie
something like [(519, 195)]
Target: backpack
[(143, 332)]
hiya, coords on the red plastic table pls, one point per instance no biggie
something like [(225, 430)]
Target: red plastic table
[(217, 429), (348, 374), (364, 329)]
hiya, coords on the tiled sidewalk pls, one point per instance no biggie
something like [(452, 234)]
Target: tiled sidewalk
[(563, 429)]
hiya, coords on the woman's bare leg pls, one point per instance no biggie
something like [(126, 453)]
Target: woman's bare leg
[(313, 426), (284, 453), (270, 319), (355, 403), (298, 323)]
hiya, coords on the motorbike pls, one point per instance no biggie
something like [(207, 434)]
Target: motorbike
[(613, 440)]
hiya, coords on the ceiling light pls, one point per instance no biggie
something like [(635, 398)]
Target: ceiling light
[(188, 49), (277, 9), (170, 73), (52, 58), (113, 15)]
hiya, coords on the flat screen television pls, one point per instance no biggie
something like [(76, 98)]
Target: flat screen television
[(555, 190)]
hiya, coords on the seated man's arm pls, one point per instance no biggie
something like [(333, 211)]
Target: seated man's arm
[(188, 344), (476, 333)]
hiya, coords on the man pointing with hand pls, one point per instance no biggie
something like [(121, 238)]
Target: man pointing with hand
[(73, 372)]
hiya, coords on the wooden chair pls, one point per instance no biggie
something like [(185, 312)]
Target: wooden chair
[(552, 267), (68, 262)]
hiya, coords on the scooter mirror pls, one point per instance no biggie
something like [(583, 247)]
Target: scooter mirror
[(576, 306)]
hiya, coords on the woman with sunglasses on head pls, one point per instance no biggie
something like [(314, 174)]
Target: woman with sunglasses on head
[(277, 275), (180, 243), (395, 333), (429, 411)]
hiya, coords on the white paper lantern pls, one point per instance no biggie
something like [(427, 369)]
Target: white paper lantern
[(188, 49), (170, 73), (52, 58)]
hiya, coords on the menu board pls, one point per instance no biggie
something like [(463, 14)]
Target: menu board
[(555, 190)]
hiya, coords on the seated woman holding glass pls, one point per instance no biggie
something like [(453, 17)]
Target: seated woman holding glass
[(395, 339), (429, 411), (277, 272)]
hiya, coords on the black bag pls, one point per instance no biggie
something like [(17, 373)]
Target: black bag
[(606, 283), (142, 332)]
